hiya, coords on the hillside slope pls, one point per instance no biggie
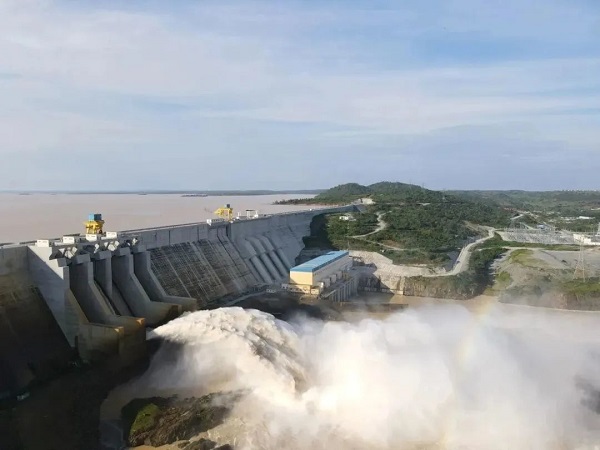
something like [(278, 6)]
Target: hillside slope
[(408, 223)]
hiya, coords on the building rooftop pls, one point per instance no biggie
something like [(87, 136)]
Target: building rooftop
[(320, 261)]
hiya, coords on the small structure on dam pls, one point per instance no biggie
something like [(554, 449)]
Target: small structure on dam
[(328, 276)]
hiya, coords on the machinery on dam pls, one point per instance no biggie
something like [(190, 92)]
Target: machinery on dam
[(93, 295), (225, 212), (94, 224)]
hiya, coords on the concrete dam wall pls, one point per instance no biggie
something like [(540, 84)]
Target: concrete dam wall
[(95, 295), (32, 345)]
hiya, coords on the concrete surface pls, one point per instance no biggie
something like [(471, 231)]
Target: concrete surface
[(99, 295)]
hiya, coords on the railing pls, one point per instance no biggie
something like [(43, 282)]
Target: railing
[(266, 216)]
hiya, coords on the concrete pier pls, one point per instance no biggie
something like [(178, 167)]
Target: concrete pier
[(152, 286), (264, 258), (134, 294), (103, 276), (94, 304), (283, 271)]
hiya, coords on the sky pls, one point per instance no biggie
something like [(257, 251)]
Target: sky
[(218, 94)]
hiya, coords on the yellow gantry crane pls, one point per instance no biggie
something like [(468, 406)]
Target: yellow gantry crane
[(225, 212), (94, 224)]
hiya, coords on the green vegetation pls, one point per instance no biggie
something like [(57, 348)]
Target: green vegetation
[(145, 419), (525, 257), (559, 208), (422, 226), (480, 263), (433, 223), (465, 285), (343, 193), (582, 294), (497, 241), (527, 219), (436, 228), (503, 277), (416, 256), (381, 193), (585, 288), (330, 232), (503, 281), (522, 256), (536, 201), (159, 421), (579, 226)]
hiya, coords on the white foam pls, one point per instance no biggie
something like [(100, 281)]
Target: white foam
[(430, 378)]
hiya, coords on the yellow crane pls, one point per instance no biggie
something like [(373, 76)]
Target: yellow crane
[(225, 212), (94, 224)]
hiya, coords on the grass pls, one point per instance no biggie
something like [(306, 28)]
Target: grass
[(145, 419), (526, 258), (502, 282), (522, 256), (580, 287), (503, 277), (582, 294)]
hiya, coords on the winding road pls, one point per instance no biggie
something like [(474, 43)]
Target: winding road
[(381, 225), (462, 262)]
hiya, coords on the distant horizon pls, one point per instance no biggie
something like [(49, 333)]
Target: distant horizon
[(166, 191), (225, 192)]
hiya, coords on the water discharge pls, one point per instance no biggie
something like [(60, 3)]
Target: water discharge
[(438, 377)]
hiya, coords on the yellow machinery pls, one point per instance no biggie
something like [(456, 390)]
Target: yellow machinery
[(94, 224), (225, 212)]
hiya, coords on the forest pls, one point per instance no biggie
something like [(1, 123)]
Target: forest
[(421, 226)]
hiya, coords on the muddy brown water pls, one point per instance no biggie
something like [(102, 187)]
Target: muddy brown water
[(46, 216)]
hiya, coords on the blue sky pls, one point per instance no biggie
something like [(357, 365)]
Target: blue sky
[(469, 94)]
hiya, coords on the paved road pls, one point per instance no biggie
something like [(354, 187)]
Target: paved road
[(462, 263)]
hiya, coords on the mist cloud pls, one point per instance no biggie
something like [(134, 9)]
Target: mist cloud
[(430, 378)]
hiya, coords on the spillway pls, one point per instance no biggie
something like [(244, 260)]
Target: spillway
[(94, 295)]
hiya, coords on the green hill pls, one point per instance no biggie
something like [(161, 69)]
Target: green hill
[(382, 192), (421, 225), (343, 193)]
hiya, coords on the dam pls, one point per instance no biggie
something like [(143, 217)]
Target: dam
[(93, 296)]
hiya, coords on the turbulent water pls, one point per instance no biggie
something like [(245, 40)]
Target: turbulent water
[(436, 377)]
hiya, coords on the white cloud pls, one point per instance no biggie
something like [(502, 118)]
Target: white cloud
[(83, 79)]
